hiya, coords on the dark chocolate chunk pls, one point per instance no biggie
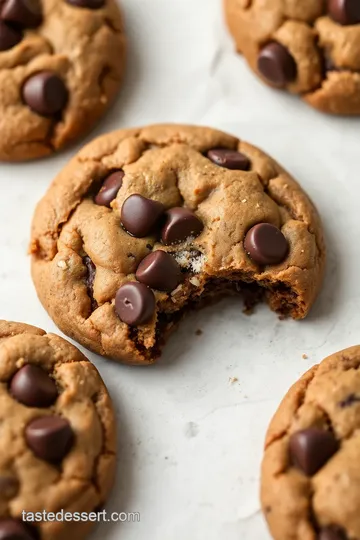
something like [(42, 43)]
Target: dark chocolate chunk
[(140, 215), (50, 438), (344, 12), (12, 529), (159, 270), (45, 93), (332, 533), (350, 400), (33, 387), (89, 4), (229, 159), (181, 223), (9, 37), (9, 486), (135, 303), (90, 278), (266, 244), (25, 13), (311, 448), (110, 188), (276, 64)]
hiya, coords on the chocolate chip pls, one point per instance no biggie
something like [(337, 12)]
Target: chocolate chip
[(159, 270), (110, 188), (9, 486), (90, 278), (135, 303), (25, 13), (89, 4), (180, 224), (50, 438), (33, 387), (332, 533), (311, 448), (140, 216), (9, 37), (266, 244), (12, 529), (45, 93), (230, 159), (344, 11), (350, 400), (276, 64)]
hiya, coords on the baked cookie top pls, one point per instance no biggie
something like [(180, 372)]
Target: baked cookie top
[(143, 224), (310, 473), (309, 47), (57, 444), (61, 64)]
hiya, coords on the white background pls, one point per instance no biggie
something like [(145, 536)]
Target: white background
[(191, 443)]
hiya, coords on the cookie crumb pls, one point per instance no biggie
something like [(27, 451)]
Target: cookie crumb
[(305, 356), (233, 380), (194, 281)]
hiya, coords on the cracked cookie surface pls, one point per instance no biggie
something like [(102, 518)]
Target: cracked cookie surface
[(309, 48), (57, 434), (143, 224), (58, 74), (310, 474)]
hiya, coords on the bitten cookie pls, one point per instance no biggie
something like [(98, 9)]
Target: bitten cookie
[(310, 473), (57, 444), (143, 224), (61, 65), (309, 48)]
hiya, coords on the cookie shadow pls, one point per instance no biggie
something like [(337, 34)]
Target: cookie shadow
[(121, 498)]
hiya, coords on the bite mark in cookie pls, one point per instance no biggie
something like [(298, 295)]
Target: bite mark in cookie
[(193, 214)]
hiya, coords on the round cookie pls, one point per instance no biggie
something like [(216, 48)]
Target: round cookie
[(57, 445), (310, 48), (310, 475), (144, 224), (61, 65)]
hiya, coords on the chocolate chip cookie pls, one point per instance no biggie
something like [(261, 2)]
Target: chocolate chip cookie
[(144, 224), (57, 444), (310, 48), (61, 64), (310, 474)]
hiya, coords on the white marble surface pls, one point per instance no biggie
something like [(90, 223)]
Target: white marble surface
[(190, 443)]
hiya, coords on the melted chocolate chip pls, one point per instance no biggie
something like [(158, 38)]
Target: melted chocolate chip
[(9, 37), (266, 244), (229, 159), (140, 216), (90, 278), (311, 448), (50, 438), (33, 387), (25, 13), (45, 93), (135, 303), (332, 533), (276, 64), (350, 400), (344, 12), (181, 223), (110, 189), (159, 270)]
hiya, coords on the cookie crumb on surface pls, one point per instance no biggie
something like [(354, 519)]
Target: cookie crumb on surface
[(305, 356), (233, 380)]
